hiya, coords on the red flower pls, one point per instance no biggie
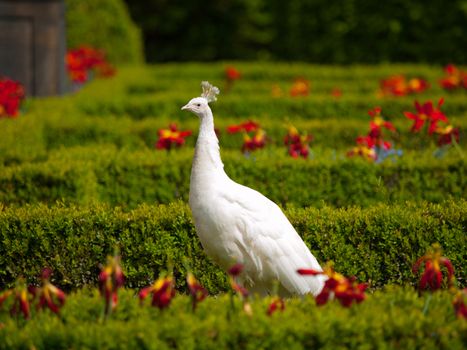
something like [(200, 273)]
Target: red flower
[(277, 304), (171, 137), (163, 291), (49, 295), (460, 303), (253, 143), (346, 290), (11, 96), (232, 74), (447, 135), (455, 78), (235, 272), (82, 60), (111, 278), (336, 92), (197, 291), (432, 277), (297, 145), (247, 126), (300, 87), (21, 299), (427, 112), (398, 85)]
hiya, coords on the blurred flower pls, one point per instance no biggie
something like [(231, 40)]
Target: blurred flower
[(336, 92), (447, 135), (377, 122), (373, 147), (163, 291), (171, 137), (49, 295), (364, 148), (346, 290), (20, 299), (11, 96), (297, 145), (111, 278), (232, 74), (252, 143), (277, 304), (432, 277), (85, 59), (234, 272), (454, 79), (300, 87), (276, 91), (460, 303), (247, 126), (426, 113), (197, 291), (398, 85)]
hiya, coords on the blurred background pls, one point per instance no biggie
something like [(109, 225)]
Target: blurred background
[(319, 31)]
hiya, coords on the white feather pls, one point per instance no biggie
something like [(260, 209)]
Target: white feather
[(237, 224)]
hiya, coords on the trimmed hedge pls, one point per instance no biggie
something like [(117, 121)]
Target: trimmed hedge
[(378, 244), (104, 24), (394, 318), (128, 178)]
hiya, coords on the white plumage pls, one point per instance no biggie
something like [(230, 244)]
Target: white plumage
[(237, 224)]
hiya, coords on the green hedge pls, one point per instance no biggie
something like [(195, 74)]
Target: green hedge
[(378, 244), (128, 178), (104, 24), (391, 319)]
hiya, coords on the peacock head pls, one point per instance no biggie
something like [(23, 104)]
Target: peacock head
[(199, 105)]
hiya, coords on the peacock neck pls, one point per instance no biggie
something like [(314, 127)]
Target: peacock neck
[(207, 160)]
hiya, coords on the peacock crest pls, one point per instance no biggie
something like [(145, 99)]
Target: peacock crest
[(210, 92)]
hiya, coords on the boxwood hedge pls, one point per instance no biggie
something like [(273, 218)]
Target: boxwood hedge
[(378, 244), (128, 178)]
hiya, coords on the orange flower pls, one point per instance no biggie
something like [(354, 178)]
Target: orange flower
[(346, 290), (163, 291), (171, 137), (111, 278), (432, 277), (336, 92), (300, 87), (197, 291), (397, 85), (455, 78), (49, 295)]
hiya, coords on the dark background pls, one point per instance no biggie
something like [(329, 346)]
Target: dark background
[(321, 31)]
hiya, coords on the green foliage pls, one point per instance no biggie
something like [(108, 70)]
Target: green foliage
[(378, 244), (104, 24), (304, 30), (123, 177), (393, 318)]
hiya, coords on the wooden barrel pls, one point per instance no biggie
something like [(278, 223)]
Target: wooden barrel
[(33, 45)]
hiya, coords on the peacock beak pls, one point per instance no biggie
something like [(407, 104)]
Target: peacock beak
[(185, 107)]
